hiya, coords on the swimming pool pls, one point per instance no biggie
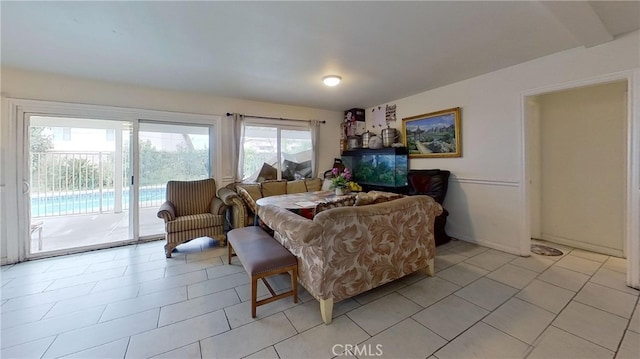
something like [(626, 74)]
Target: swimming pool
[(85, 202)]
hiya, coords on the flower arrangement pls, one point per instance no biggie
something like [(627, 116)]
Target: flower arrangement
[(343, 180), (340, 180)]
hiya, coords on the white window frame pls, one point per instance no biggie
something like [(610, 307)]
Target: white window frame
[(279, 125)]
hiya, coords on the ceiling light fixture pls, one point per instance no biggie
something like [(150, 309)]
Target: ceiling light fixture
[(331, 80)]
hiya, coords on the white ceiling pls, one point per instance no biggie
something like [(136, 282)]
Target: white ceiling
[(278, 51)]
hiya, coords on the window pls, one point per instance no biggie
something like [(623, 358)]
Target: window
[(276, 152)]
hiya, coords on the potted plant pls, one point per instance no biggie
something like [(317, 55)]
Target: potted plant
[(342, 183)]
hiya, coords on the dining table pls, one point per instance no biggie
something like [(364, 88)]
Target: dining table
[(303, 203)]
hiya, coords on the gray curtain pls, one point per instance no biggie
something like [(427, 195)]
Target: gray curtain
[(236, 143), (314, 128)]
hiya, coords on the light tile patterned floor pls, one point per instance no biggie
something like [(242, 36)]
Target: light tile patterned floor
[(131, 302)]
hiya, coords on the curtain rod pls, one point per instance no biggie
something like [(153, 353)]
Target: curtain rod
[(278, 118)]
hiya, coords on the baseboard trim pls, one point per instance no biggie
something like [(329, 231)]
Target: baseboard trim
[(581, 245), (492, 245)]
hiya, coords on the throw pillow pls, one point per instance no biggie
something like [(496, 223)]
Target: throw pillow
[(251, 189), (340, 202), (380, 196), (363, 199), (313, 184), (297, 186), (274, 188), (250, 198)]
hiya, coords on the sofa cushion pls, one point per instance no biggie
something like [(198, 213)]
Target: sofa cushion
[(380, 196), (313, 184), (363, 199), (252, 189), (297, 186), (335, 203), (274, 188), (194, 221), (250, 194)]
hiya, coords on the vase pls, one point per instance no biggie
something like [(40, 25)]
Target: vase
[(339, 191)]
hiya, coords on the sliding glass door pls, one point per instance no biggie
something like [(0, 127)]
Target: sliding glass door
[(168, 152), (78, 187), (81, 188)]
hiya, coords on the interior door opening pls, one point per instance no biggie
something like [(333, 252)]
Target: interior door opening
[(577, 165)]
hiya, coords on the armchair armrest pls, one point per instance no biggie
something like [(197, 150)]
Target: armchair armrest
[(299, 230), (167, 212), (227, 195), (218, 207), (239, 214)]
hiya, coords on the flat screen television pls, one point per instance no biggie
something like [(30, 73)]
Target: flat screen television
[(384, 168)]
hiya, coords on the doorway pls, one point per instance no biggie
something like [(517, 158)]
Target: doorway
[(577, 163)]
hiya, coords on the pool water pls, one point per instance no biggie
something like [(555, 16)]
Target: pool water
[(89, 202)]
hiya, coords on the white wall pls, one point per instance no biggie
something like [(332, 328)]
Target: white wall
[(583, 167), (486, 197), (40, 86)]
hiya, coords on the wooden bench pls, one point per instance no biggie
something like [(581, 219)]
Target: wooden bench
[(262, 256)]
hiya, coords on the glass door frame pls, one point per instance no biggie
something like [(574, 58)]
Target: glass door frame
[(131, 231), (16, 170), (213, 139)]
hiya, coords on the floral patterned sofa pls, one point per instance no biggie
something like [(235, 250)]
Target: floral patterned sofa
[(348, 250)]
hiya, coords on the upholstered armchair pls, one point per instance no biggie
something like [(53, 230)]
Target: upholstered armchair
[(433, 183), (192, 210)]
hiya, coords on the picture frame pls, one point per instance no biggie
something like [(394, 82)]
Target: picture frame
[(433, 135)]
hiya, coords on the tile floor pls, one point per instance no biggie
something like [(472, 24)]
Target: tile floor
[(131, 302)]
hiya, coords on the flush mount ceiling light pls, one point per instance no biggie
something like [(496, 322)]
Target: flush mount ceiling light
[(331, 80)]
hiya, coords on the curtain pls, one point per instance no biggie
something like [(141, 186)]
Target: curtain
[(237, 141), (314, 128)]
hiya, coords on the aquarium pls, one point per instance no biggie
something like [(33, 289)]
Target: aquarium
[(378, 168)]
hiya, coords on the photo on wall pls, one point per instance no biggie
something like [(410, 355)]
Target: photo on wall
[(435, 134)]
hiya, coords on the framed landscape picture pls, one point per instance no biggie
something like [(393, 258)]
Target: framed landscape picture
[(435, 134)]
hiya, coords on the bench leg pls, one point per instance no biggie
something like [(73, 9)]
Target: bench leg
[(229, 253), (254, 295), (431, 268), (294, 284), (326, 310)]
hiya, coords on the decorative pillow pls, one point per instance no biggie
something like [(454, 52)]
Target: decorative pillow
[(313, 184), (363, 199), (248, 197), (252, 189), (334, 203), (380, 196), (296, 186), (274, 188)]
